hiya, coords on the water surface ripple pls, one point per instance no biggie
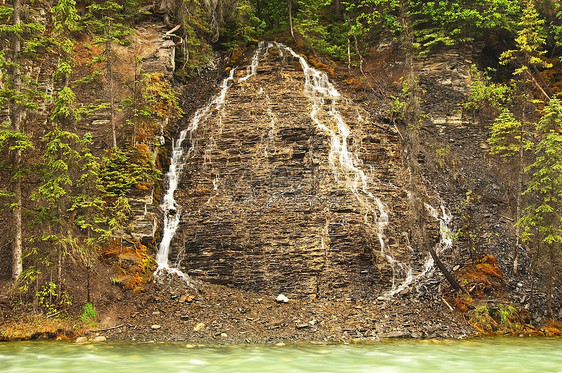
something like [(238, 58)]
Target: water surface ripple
[(479, 355)]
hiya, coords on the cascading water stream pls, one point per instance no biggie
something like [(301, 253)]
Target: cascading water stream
[(171, 210), (445, 242), (346, 165)]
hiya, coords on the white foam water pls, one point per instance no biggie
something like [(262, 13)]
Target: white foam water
[(171, 210), (347, 167)]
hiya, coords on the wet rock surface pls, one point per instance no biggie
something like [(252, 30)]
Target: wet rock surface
[(266, 205)]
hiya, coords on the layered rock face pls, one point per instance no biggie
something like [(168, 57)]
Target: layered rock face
[(286, 188)]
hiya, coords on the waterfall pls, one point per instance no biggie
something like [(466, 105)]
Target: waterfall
[(346, 165), (445, 242), (347, 168), (171, 210)]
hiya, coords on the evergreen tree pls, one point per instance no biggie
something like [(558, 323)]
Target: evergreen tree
[(529, 56), (21, 40), (59, 170), (543, 217), (509, 138), (109, 23)]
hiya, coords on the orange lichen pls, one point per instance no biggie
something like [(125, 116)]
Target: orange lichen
[(482, 276), (553, 328), (143, 186), (320, 65), (132, 263), (462, 301), (236, 56)]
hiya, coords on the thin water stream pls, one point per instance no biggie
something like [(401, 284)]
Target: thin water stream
[(480, 355), (348, 169)]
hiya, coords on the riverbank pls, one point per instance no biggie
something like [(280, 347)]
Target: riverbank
[(223, 315), (219, 315), (216, 314)]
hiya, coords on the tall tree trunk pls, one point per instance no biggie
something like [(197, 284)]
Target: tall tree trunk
[(338, 8), (552, 274), (109, 52), (17, 265), (290, 4), (88, 269), (16, 117), (448, 275), (519, 191)]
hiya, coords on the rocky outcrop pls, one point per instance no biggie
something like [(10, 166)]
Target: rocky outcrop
[(264, 207), (445, 76)]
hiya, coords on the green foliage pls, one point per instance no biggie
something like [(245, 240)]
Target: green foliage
[(11, 142), (366, 17), (63, 71), (555, 24), (481, 317), (199, 31), (29, 32), (45, 295), (508, 135), (309, 24), (497, 318), (122, 170), (506, 313), (154, 103), (64, 106), (15, 140), (273, 13), (459, 21), (470, 230), (403, 105), (50, 301), (543, 217), (89, 202), (65, 16), (241, 25), (110, 20), (64, 164), (530, 39), (89, 314), (485, 92), (160, 100), (60, 158)]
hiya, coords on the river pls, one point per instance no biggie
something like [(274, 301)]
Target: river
[(476, 355)]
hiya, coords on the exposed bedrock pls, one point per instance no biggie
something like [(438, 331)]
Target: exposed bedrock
[(267, 205)]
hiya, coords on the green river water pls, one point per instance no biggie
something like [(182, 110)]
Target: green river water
[(477, 355)]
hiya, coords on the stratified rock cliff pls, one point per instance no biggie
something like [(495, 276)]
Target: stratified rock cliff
[(268, 203)]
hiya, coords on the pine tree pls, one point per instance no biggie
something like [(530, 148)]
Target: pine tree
[(529, 56), (108, 22), (21, 40), (509, 138), (543, 218)]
